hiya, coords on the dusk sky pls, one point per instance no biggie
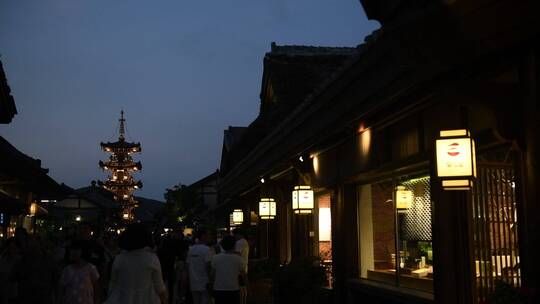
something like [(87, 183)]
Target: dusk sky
[(183, 71)]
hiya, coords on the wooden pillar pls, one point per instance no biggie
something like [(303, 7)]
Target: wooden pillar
[(452, 244), (530, 211), (344, 239)]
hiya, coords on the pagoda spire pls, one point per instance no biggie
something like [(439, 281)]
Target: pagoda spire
[(122, 126)]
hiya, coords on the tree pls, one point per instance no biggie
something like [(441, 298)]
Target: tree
[(182, 205)]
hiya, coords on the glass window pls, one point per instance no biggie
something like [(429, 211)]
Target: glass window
[(396, 214), (377, 232)]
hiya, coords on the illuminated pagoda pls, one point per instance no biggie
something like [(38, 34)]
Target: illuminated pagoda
[(121, 167)]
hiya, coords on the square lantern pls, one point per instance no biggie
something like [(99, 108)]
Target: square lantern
[(267, 208), (302, 200), (456, 159), (237, 217), (404, 198)]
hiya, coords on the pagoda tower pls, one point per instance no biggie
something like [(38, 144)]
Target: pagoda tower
[(121, 167)]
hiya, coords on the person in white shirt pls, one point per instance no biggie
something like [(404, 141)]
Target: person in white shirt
[(242, 248), (136, 272), (198, 263), (227, 271)]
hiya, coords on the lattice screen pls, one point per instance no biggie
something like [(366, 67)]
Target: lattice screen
[(494, 226), (415, 223)]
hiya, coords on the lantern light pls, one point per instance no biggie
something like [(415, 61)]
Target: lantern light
[(456, 159), (262, 180), (267, 208), (404, 198), (237, 217), (33, 209), (125, 215), (302, 200), (78, 218)]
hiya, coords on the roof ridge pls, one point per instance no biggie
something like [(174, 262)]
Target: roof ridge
[(295, 49)]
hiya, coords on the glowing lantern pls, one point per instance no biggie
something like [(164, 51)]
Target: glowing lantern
[(404, 198), (33, 209), (267, 208), (78, 218), (237, 217), (456, 159), (302, 200)]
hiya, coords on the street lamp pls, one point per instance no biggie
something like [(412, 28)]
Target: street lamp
[(237, 217), (302, 200), (456, 159), (267, 208)]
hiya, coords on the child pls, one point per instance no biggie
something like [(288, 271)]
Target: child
[(79, 280)]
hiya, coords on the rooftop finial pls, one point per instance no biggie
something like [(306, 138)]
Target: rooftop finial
[(122, 128)]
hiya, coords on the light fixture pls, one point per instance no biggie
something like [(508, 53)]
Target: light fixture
[(404, 198), (262, 180), (456, 159), (78, 218), (301, 159), (125, 215), (267, 208), (33, 209), (237, 217), (302, 200)]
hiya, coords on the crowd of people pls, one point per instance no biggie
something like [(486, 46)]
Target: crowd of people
[(88, 267)]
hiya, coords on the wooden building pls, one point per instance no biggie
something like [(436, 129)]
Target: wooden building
[(369, 129), (23, 182)]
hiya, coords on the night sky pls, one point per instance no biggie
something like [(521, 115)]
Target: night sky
[(182, 71)]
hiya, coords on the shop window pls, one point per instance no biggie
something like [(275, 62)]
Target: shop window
[(386, 224)]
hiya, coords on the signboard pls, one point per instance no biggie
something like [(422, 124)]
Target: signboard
[(456, 159)]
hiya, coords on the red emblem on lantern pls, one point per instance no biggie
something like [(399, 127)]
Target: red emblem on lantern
[(452, 151)]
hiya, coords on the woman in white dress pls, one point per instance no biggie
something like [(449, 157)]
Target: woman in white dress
[(136, 272)]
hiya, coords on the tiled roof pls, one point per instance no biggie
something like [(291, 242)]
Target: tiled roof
[(291, 74), (99, 196)]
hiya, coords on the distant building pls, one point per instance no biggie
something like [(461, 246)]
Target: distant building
[(97, 205)]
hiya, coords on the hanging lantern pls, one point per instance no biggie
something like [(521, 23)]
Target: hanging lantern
[(237, 217), (456, 159), (404, 198), (302, 200), (267, 208), (125, 216)]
